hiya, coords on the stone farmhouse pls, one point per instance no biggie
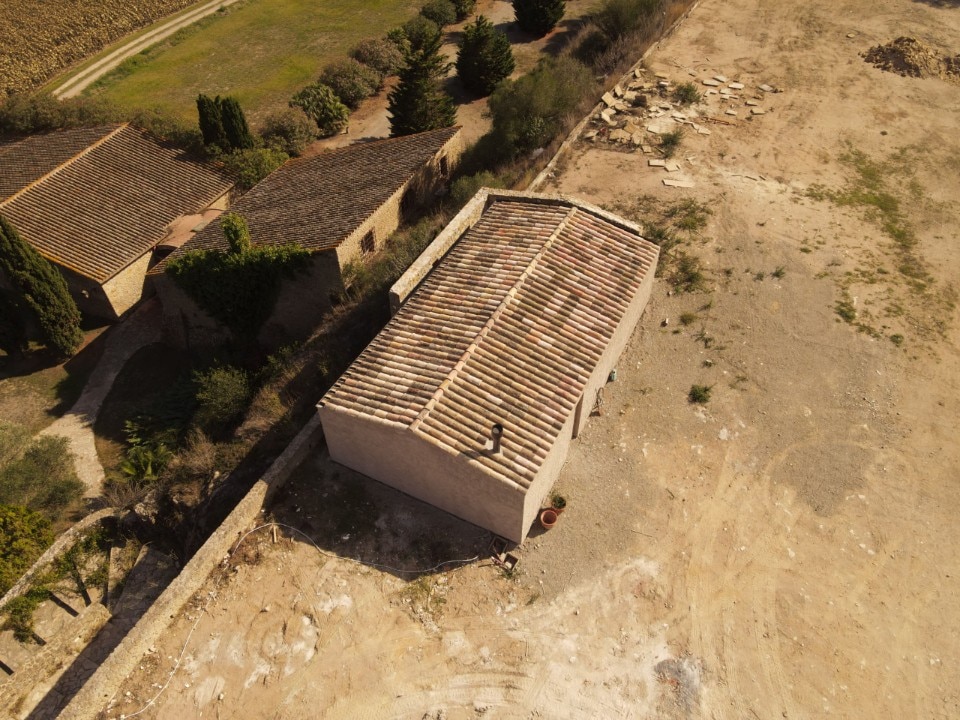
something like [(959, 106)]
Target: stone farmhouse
[(97, 201), (340, 205), (470, 396)]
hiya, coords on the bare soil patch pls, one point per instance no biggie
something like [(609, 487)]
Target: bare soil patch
[(788, 549)]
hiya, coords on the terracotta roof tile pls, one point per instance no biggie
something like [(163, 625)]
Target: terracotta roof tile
[(103, 206), (319, 201), (506, 329)]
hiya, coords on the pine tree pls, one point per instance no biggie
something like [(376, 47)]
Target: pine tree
[(211, 122), (485, 57), (538, 17), (418, 103), (234, 124), (40, 290)]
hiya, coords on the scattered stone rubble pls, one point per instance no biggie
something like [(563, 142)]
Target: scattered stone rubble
[(641, 108)]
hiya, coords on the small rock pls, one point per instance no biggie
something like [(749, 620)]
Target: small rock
[(757, 111), (731, 112), (657, 163), (751, 103), (608, 99), (736, 86), (767, 88), (720, 78), (711, 83)]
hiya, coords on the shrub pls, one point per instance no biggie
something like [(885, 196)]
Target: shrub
[(37, 288), (398, 36), (222, 396), (669, 142), (538, 17), (699, 394), (351, 81), (24, 535), (322, 105), (442, 12), (485, 57), (248, 167), (384, 56), (464, 8), (418, 103), (42, 478), (529, 112), (289, 131), (464, 188), (421, 32), (686, 94), (27, 114), (617, 18)]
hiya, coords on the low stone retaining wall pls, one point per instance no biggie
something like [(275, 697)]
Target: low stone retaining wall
[(55, 656), (60, 545), (105, 683)]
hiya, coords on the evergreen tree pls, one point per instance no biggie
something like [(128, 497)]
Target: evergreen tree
[(485, 57), (211, 122), (418, 103), (234, 124), (538, 17), (41, 291)]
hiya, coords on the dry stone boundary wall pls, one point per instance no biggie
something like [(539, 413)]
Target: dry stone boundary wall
[(105, 683)]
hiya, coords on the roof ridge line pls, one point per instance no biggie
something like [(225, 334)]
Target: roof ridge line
[(65, 164), (494, 316)]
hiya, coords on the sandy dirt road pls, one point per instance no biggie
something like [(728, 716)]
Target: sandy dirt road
[(788, 550)]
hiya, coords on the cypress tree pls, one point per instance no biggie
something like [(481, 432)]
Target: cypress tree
[(40, 290), (235, 124), (418, 103), (485, 57), (211, 123), (538, 17)]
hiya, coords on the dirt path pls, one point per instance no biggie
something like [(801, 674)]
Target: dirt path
[(788, 550), (82, 80), (140, 329)]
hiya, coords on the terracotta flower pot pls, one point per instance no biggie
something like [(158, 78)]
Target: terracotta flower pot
[(548, 518)]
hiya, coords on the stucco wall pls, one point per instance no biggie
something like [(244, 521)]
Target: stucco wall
[(614, 349), (126, 288), (397, 457)]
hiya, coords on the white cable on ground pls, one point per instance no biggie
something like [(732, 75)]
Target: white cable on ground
[(211, 596)]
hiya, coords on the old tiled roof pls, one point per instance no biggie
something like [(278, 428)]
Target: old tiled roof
[(98, 207), (319, 201), (506, 329), (25, 161)]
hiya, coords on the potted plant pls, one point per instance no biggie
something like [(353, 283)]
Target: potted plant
[(558, 503)]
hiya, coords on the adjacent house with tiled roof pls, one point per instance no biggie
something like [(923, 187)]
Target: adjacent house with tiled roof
[(470, 396), (340, 205), (97, 201)]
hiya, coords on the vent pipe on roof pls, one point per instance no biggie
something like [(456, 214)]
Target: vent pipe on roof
[(496, 434)]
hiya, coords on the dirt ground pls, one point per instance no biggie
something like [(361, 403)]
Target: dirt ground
[(788, 550)]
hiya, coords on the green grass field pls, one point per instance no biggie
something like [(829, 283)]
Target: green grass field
[(261, 51)]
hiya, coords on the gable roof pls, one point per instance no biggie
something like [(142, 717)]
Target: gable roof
[(319, 201), (23, 162), (97, 199), (506, 329)]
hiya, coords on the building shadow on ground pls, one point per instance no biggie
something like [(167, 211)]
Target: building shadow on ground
[(349, 515)]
